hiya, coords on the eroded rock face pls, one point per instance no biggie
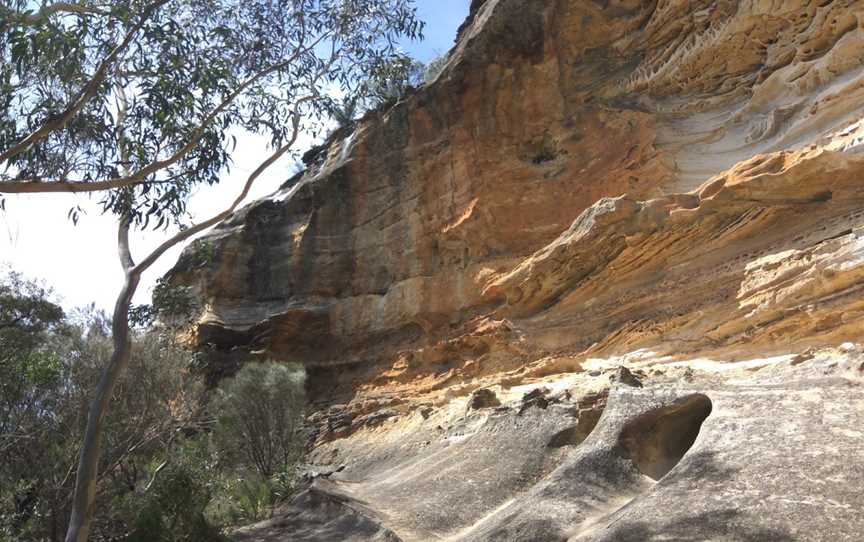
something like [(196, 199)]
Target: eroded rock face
[(756, 450), (674, 187)]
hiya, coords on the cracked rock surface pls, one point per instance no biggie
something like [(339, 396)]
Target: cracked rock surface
[(603, 279)]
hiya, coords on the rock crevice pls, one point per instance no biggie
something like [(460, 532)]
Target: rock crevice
[(674, 187)]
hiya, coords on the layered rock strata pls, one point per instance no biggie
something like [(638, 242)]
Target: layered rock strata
[(671, 186)]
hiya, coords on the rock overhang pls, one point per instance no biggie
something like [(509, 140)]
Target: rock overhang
[(673, 187)]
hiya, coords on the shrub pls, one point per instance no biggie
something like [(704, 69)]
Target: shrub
[(172, 509), (49, 364), (259, 411), (256, 441), (435, 67), (241, 501), (391, 80)]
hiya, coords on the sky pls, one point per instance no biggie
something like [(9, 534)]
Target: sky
[(80, 262)]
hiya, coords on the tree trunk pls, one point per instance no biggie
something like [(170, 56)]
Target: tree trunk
[(88, 464)]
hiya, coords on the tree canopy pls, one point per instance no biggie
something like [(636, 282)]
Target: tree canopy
[(143, 99), (49, 365)]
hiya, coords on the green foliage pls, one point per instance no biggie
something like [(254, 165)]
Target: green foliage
[(391, 79), (260, 410), (256, 440), (25, 312), (175, 302), (203, 252), (28, 370), (181, 79), (242, 497), (41, 369), (248, 463), (435, 67), (165, 476), (243, 501), (172, 510), (49, 366), (284, 483), (345, 111)]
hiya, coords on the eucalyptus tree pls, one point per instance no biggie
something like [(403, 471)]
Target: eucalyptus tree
[(26, 317), (139, 101)]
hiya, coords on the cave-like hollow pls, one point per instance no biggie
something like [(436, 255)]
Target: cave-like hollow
[(658, 439)]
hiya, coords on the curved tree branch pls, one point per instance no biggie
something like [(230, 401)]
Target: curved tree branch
[(87, 475), (140, 176), (85, 94), (64, 8), (197, 228)]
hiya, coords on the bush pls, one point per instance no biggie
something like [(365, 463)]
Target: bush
[(172, 509), (391, 80), (164, 475), (241, 501), (256, 441), (49, 364), (434, 68), (260, 411)]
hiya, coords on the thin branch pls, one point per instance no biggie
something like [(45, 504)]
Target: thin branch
[(155, 474), (132, 447), (140, 176), (63, 8), (69, 472), (187, 233), (85, 94)]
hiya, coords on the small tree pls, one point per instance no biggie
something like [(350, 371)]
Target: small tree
[(391, 80), (26, 317), (435, 67), (49, 365), (141, 101), (260, 410), (173, 509), (28, 376)]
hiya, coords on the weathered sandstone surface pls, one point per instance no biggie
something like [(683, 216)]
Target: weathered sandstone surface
[(602, 280)]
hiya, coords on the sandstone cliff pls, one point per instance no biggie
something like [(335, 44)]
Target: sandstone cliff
[(671, 186)]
